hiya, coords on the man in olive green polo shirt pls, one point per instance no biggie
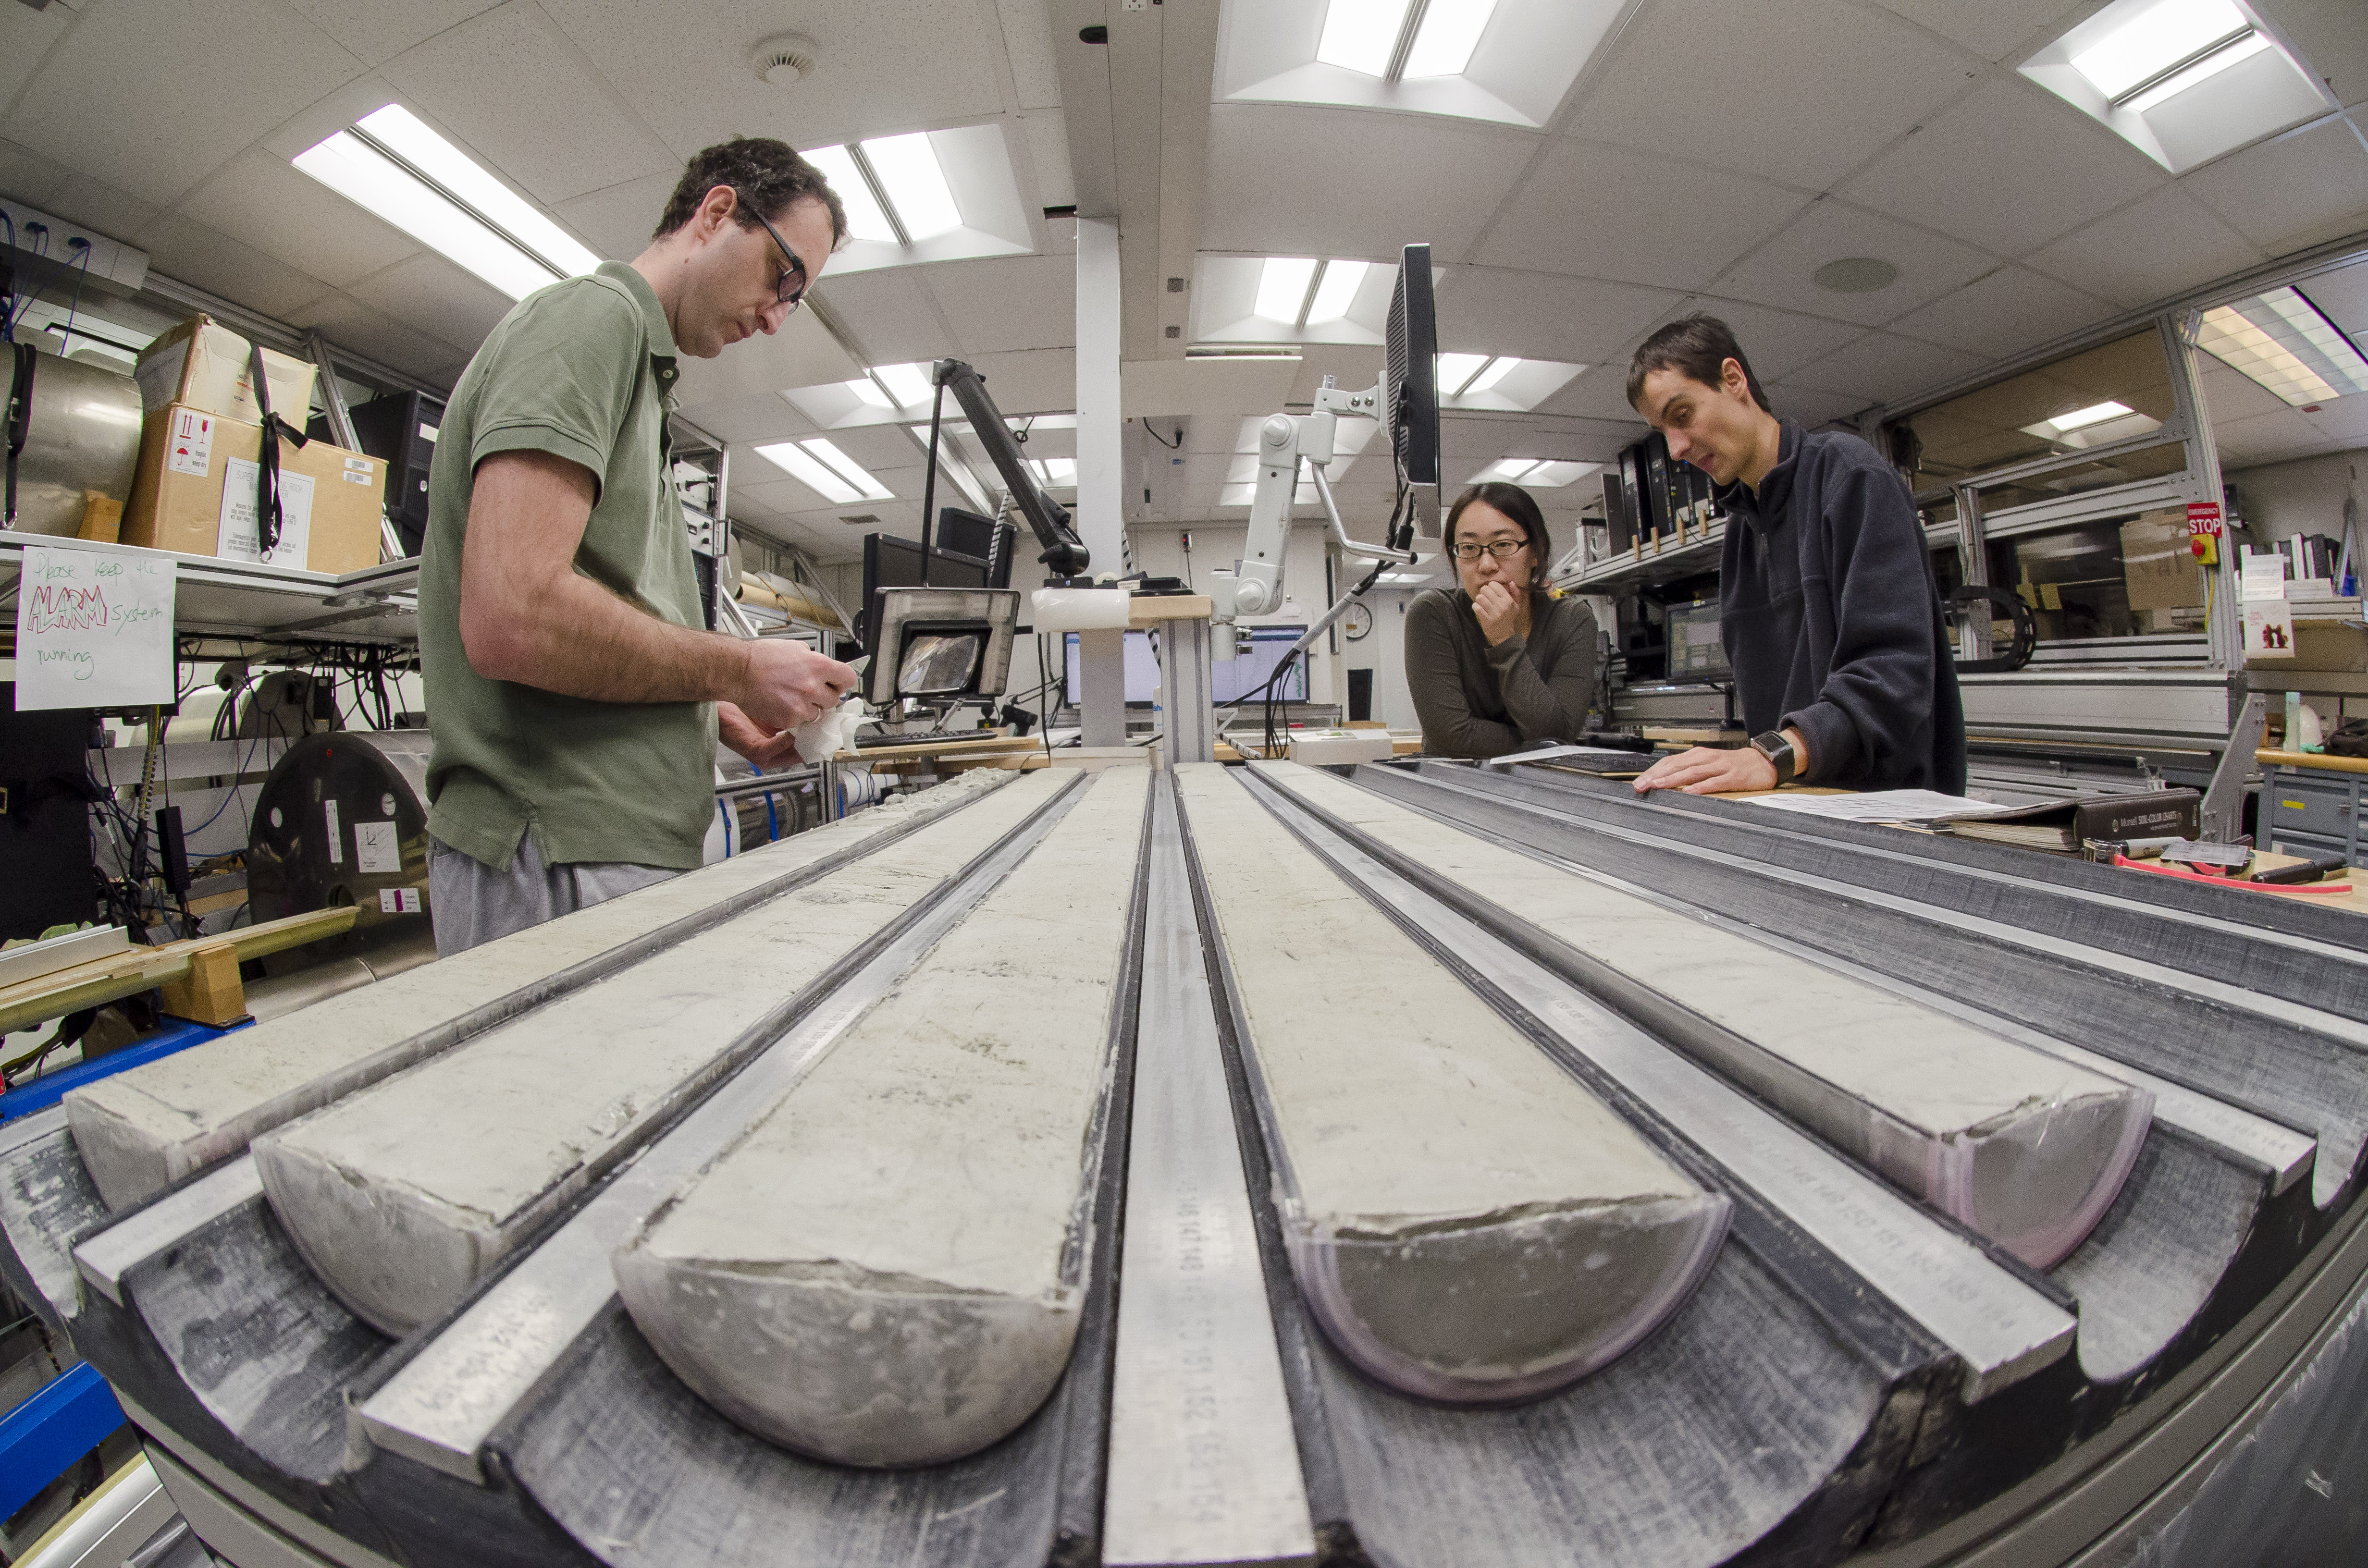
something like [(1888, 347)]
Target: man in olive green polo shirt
[(574, 690)]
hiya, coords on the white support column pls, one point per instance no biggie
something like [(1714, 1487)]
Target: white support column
[(1100, 471)]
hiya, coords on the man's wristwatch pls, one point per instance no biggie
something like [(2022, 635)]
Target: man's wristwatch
[(1779, 753)]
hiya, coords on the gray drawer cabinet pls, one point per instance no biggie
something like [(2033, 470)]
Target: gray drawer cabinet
[(2307, 812)]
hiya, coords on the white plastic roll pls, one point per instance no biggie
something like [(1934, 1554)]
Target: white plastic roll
[(1082, 610)]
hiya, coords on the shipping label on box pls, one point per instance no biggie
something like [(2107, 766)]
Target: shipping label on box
[(240, 536)]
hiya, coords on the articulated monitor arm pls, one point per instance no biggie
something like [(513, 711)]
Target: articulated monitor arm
[(1065, 553)]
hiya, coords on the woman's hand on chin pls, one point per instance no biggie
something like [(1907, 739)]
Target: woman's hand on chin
[(1499, 611)]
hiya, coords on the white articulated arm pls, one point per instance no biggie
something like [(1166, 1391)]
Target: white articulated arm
[(1257, 586)]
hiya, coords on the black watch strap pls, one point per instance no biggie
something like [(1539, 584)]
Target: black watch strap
[(1780, 754)]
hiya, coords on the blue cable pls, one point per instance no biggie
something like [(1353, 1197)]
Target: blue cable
[(772, 823), (81, 272)]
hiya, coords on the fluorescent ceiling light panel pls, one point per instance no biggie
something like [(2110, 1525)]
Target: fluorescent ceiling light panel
[(1449, 33), (870, 392), (2096, 413), (1555, 474), (2279, 340), (821, 467), (2154, 39), (909, 384), (865, 220), (400, 131), (1496, 371), (1337, 290), (951, 464), (1457, 370), (1283, 287), (916, 184), (1361, 35), (2203, 71), (1054, 471), (1505, 470), (369, 178)]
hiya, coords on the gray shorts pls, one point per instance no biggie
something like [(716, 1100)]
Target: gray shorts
[(472, 903)]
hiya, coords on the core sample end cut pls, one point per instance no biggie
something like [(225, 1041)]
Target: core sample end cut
[(885, 1269), (1465, 1221)]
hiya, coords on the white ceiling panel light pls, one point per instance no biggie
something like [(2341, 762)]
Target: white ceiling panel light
[(883, 394), (1500, 382), (1289, 300), (393, 166), (952, 466), (2282, 341), (1534, 473), (2095, 414), (1506, 60), (821, 467), (925, 196), (2183, 80)]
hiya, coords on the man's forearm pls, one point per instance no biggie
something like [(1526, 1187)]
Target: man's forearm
[(578, 639)]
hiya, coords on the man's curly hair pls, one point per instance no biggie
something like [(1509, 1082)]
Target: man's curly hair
[(768, 176)]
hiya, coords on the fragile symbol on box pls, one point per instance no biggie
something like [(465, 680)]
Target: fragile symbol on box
[(190, 442), (402, 901)]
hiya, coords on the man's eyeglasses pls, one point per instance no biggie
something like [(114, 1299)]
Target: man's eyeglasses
[(1502, 548), (790, 289)]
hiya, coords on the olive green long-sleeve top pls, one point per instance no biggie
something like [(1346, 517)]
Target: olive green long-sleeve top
[(1479, 699)]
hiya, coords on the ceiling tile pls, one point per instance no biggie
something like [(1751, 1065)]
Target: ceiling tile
[(1462, 435), (510, 87), (1781, 272), (1776, 342), (1298, 181), (377, 31), (1973, 170), (2343, 294), (350, 323), (152, 97), (271, 205), (1008, 302), (1027, 43), (886, 313), (1811, 407), (1583, 212), (2158, 246), (1880, 368), (1600, 393), (2332, 35), (2293, 192), (1993, 28), (434, 296), (2011, 309), (1539, 317), (1797, 90), (2266, 437), (802, 354), (617, 221), (185, 249), (757, 417), (26, 35), (886, 65), (1035, 380), (1048, 147), (27, 177), (2228, 396), (2345, 419)]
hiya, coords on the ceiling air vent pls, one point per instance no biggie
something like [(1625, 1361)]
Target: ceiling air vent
[(861, 520), (786, 60)]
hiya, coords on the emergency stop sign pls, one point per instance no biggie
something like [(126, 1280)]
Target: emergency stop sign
[(2204, 517)]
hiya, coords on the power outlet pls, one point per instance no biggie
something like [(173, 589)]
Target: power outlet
[(1135, 5)]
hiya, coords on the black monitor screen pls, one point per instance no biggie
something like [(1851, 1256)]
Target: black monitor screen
[(965, 533), (1230, 681), (892, 562)]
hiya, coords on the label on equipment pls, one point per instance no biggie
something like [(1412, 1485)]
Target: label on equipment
[(239, 536), (2204, 517), (402, 901), (189, 445), (376, 848), (336, 839)]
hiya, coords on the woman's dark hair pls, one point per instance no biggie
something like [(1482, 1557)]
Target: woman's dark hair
[(767, 175), (1517, 504), (1697, 347)]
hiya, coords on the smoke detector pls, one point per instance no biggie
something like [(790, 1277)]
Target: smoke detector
[(787, 59)]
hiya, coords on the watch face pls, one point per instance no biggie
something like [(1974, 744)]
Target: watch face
[(1356, 621)]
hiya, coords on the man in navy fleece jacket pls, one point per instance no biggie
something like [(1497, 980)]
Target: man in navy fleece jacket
[(1827, 602)]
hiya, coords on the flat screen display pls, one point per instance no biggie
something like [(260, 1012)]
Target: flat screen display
[(1228, 682)]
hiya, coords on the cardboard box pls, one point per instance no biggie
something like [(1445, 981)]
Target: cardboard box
[(193, 463), (203, 365), (2159, 567)]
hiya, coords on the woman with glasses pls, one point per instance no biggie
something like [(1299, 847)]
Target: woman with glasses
[(1493, 664)]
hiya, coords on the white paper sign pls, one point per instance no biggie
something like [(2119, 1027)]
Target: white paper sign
[(376, 848), (94, 627), (2265, 575), (2268, 630), (336, 840), (239, 540), (402, 901)]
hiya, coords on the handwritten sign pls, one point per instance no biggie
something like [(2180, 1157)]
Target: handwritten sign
[(94, 627)]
